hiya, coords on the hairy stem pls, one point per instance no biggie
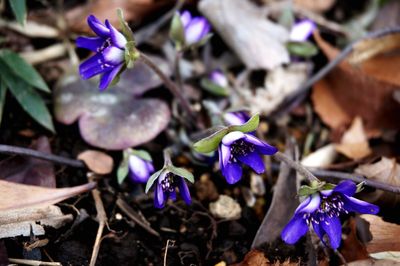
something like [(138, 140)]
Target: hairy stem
[(169, 84)]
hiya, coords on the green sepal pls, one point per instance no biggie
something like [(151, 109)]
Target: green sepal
[(131, 54), (142, 154), (211, 143), (360, 187), (215, 89), (177, 32), (202, 41), (126, 30), (307, 190), (123, 169), (303, 49), (181, 172), (151, 180)]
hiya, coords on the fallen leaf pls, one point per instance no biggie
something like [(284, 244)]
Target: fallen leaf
[(279, 83), (386, 171), (354, 143), (315, 5), (19, 222), (388, 255), (98, 162), (258, 42), (388, 16), (134, 10), (321, 158), (30, 170), (255, 258), (114, 119), (373, 262), (348, 91), (352, 249), (284, 203), (18, 196), (385, 234), (226, 208)]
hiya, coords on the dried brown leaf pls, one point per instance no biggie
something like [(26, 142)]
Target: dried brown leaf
[(348, 91), (354, 143), (134, 10), (373, 262), (385, 235), (352, 249), (386, 171), (97, 161), (258, 42), (255, 258), (29, 170), (18, 196), (21, 221), (315, 5)]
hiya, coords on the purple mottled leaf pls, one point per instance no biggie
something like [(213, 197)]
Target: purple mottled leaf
[(29, 170), (114, 119)]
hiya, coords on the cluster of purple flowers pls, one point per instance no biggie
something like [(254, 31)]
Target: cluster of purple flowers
[(321, 210)]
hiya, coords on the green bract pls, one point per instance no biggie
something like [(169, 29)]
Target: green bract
[(176, 31), (314, 187), (304, 49), (211, 143), (123, 169), (215, 89), (151, 180)]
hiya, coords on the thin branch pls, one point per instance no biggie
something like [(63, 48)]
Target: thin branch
[(166, 250), (295, 165), (169, 84), (299, 95), (102, 219), (356, 178), (12, 150), (33, 262)]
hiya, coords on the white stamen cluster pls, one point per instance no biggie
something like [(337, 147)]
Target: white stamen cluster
[(331, 206), (167, 184), (240, 147)]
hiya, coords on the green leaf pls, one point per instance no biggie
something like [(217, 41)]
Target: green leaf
[(19, 9), (151, 180), (176, 31), (211, 143), (181, 172), (29, 99), (123, 169), (249, 126), (23, 69), (142, 154), (215, 89), (3, 91), (304, 49)]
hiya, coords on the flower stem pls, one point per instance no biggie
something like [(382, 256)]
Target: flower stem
[(295, 165), (178, 76), (169, 84)]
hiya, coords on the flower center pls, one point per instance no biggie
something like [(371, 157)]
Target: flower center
[(241, 148), (329, 207), (167, 184)]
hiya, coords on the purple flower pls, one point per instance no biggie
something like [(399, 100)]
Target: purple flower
[(218, 77), (237, 147), (302, 30), (140, 169), (235, 118), (322, 210), (166, 188), (109, 46), (195, 28)]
